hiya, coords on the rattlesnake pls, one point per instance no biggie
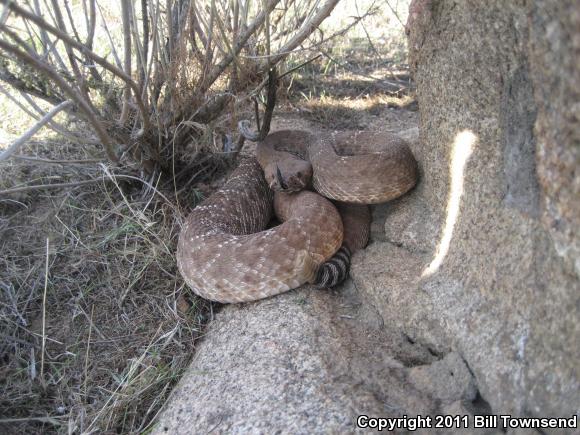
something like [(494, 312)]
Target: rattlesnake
[(226, 254)]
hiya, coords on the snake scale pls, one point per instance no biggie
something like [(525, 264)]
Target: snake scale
[(227, 253)]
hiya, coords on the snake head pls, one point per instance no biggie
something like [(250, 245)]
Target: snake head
[(292, 176)]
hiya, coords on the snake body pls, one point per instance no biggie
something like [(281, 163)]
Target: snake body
[(226, 254)]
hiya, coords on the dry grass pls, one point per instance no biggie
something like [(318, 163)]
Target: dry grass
[(355, 78), (117, 326), (346, 99)]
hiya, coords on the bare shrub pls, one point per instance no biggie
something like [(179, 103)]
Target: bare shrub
[(158, 77)]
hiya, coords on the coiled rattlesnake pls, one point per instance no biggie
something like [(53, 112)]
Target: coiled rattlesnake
[(226, 254)]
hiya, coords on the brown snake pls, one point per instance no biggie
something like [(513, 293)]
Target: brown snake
[(226, 254)]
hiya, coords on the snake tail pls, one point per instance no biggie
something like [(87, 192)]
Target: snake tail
[(335, 270)]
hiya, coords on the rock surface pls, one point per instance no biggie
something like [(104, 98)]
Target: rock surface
[(309, 361), (498, 87)]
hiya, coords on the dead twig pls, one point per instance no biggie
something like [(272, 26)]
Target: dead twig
[(58, 162), (47, 186), (112, 178), (33, 130), (264, 129), (88, 350), (127, 59), (395, 13), (73, 94), (243, 39), (304, 32), (83, 49), (44, 313)]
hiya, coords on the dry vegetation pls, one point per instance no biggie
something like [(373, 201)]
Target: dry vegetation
[(96, 326), (352, 82)]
